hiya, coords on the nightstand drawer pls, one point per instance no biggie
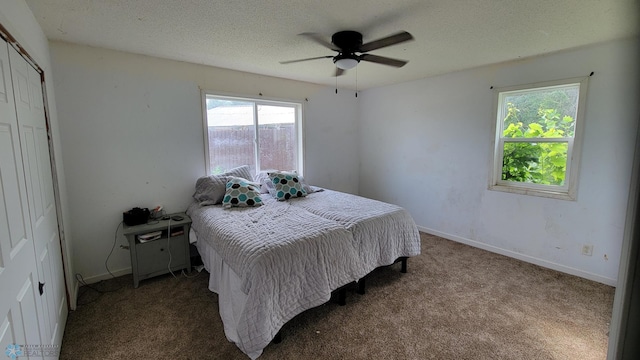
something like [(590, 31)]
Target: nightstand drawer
[(153, 256)]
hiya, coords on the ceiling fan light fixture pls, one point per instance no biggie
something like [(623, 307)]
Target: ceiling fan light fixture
[(346, 63), (351, 50)]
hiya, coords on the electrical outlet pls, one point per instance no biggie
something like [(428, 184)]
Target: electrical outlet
[(587, 250)]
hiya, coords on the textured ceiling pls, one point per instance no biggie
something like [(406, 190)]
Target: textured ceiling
[(254, 35)]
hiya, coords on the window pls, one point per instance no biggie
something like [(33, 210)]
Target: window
[(260, 133), (537, 138)]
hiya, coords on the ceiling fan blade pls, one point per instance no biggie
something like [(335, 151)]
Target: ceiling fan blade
[(387, 41), (307, 59), (383, 60), (318, 38), (339, 72)]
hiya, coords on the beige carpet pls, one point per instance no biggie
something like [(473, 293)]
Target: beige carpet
[(456, 302)]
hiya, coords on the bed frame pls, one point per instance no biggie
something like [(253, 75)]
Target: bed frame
[(403, 269), (341, 293)]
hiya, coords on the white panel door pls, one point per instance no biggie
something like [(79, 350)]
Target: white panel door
[(34, 144), (19, 311)]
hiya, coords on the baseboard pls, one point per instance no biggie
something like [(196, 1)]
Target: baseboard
[(107, 276), (523, 257)]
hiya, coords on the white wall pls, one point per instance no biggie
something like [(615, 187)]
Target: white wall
[(426, 145), (331, 140), (132, 135), (18, 19)]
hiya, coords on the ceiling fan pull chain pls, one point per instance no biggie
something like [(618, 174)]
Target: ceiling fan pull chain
[(336, 82), (356, 82)]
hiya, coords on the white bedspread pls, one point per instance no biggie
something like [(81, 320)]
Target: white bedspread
[(382, 232), (288, 259)]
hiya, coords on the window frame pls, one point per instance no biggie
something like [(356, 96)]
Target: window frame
[(568, 191), (299, 125)]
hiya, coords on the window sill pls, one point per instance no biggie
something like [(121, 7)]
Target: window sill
[(560, 195)]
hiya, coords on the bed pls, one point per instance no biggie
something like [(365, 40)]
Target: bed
[(383, 232), (269, 263)]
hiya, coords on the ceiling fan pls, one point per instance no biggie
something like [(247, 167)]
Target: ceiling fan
[(351, 50)]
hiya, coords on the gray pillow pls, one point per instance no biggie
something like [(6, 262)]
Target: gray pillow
[(241, 172), (211, 189)]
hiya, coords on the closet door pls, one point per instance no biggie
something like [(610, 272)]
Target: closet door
[(34, 144), (19, 298)]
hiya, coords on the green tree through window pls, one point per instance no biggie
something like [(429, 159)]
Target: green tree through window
[(535, 135), (538, 163)]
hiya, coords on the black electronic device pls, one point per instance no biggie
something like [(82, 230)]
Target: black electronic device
[(177, 218), (136, 216)]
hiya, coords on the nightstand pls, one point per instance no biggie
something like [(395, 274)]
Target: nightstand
[(151, 258)]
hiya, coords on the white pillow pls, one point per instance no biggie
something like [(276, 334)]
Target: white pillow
[(240, 171), (262, 178)]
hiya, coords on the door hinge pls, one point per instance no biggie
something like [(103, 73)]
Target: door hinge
[(41, 288)]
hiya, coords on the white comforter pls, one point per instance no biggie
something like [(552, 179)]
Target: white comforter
[(382, 232), (288, 260)]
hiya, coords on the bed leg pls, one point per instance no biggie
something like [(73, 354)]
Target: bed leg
[(342, 296), (403, 260), (361, 285), (278, 338)]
